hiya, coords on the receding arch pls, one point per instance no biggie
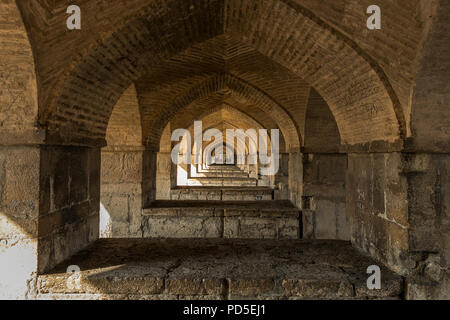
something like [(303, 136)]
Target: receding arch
[(202, 107), (365, 105), (227, 108), (124, 127), (228, 83)]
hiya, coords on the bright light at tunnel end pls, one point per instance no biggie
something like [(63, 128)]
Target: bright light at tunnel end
[(252, 147)]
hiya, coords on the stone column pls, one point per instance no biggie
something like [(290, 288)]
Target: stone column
[(296, 178), (163, 179), (69, 202), (282, 178), (324, 211), (19, 216), (377, 206), (49, 210), (121, 191)]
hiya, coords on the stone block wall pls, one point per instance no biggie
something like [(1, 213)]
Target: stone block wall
[(377, 205), (163, 179), (19, 216), (49, 210), (296, 178), (398, 207), (69, 202), (324, 210), (149, 177), (429, 220), (220, 223), (121, 192), (282, 178)]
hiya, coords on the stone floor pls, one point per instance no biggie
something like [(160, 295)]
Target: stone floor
[(218, 269)]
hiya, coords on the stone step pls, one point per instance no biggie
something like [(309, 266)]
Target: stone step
[(225, 182), (222, 269), (221, 168), (221, 219), (225, 174), (227, 194)]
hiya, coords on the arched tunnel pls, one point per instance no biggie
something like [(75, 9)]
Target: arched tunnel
[(224, 149)]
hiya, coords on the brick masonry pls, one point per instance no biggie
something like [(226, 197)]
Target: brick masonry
[(289, 64)]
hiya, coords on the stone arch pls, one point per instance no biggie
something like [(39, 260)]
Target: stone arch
[(232, 110), (18, 81), (224, 125), (321, 130), (202, 107), (242, 119), (364, 105), (208, 148), (124, 127), (227, 83), (20, 157)]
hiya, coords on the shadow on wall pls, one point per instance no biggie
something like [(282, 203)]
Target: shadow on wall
[(105, 222)]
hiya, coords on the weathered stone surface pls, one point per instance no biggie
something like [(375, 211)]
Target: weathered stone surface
[(324, 189), (178, 269), (232, 219), (218, 193), (127, 82)]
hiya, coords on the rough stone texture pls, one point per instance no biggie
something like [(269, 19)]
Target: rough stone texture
[(324, 197), (219, 269), (399, 212), (221, 219), (18, 83), (321, 131), (429, 224), (138, 66), (281, 179), (219, 193), (377, 206), (296, 178), (381, 116), (163, 180), (69, 206), (19, 219), (121, 192)]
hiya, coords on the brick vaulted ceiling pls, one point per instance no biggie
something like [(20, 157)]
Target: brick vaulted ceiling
[(82, 74)]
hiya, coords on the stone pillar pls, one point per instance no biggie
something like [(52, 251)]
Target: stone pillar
[(121, 191), (428, 179), (282, 178), (324, 211), (148, 178), (397, 207), (377, 206), (163, 179), (252, 169), (19, 216), (49, 210), (69, 202), (296, 178), (173, 175)]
